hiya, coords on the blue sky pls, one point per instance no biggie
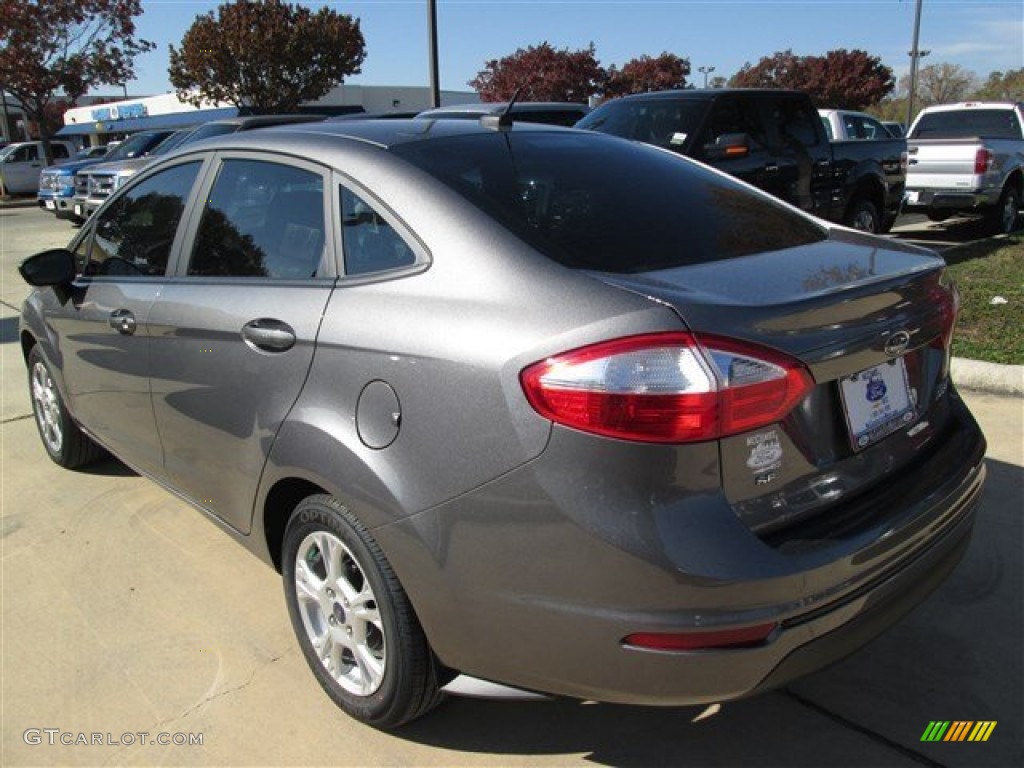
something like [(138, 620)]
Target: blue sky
[(981, 35)]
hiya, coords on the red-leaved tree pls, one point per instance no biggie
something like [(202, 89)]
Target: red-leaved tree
[(840, 79), (63, 48), (647, 73), (543, 73)]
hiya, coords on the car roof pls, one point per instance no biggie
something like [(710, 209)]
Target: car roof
[(249, 122), (497, 107), (381, 133)]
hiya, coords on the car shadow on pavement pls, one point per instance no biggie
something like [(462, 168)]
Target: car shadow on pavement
[(108, 467), (954, 657)]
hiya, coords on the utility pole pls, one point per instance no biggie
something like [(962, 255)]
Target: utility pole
[(915, 55), (705, 71), (6, 132), (435, 80)]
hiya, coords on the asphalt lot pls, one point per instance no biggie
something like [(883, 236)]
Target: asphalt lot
[(123, 612)]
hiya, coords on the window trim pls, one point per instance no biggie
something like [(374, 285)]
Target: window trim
[(86, 235), (216, 162), (385, 211)]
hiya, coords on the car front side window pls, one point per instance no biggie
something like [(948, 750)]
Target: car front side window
[(133, 236), (262, 219)]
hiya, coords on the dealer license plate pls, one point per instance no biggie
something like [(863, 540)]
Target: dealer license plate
[(912, 196), (49, 205), (877, 402), (78, 209)]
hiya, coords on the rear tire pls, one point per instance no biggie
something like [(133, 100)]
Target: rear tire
[(1002, 219), (354, 622), (65, 443), (863, 216)]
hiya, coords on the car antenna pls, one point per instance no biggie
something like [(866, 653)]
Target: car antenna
[(503, 121)]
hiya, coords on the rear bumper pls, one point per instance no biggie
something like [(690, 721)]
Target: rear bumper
[(920, 199), (535, 579)]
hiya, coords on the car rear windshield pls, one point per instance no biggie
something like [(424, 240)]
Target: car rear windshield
[(598, 203), (964, 123), (662, 122), (136, 146)]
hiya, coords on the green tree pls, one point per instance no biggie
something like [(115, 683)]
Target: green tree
[(1003, 86), (543, 73), (53, 51), (940, 83), (265, 54)]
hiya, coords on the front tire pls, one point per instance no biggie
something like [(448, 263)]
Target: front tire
[(65, 443), (354, 622)]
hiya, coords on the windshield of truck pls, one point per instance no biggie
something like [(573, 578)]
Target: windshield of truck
[(593, 202), (135, 146), (662, 122), (965, 123)]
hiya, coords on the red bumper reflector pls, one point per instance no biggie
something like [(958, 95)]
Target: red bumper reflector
[(745, 637)]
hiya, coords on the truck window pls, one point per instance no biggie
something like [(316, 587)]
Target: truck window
[(965, 123), (735, 116)]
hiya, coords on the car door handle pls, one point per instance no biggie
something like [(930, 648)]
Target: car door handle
[(771, 168), (269, 335), (123, 321)]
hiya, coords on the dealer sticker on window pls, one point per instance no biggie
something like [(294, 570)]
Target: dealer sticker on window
[(877, 402)]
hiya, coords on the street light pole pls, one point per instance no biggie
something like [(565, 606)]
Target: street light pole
[(707, 70), (915, 54), (435, 80)]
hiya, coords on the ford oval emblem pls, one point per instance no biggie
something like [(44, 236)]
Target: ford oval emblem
[(897, 344)]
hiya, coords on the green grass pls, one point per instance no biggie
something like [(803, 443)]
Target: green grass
[(983, 270)]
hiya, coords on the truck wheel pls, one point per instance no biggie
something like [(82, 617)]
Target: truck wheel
[(939, 216), (1002, 219), (863, 215)]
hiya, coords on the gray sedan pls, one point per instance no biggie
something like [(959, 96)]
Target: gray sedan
[(538, 406)]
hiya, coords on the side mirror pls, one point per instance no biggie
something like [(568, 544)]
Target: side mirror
[(56, 267), (728, 145)]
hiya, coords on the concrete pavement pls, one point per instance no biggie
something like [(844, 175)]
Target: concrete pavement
[(123, 612)]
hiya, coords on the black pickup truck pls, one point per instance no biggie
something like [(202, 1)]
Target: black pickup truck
[(774, 140)]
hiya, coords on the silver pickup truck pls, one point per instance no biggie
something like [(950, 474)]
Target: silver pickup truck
[(968, 158)]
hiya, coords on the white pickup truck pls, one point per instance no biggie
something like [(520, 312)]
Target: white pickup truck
[(967, 158)]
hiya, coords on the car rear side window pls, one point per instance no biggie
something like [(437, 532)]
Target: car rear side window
[(592, 202), (371, 243), (262, 220), (134, 234)]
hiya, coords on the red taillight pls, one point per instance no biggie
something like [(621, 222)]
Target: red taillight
[(947, 299), (667, 387), (745, 637), (982, 161)]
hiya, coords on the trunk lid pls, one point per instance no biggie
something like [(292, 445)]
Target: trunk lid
[(854, 309)]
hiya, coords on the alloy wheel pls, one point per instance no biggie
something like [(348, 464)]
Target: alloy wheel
[(46, 404), (340, 614)]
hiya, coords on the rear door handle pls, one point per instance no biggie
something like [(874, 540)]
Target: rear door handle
[(771, 168), (123, 321), (268, 335)]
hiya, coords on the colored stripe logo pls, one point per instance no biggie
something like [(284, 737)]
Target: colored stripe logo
[(958, 730)]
